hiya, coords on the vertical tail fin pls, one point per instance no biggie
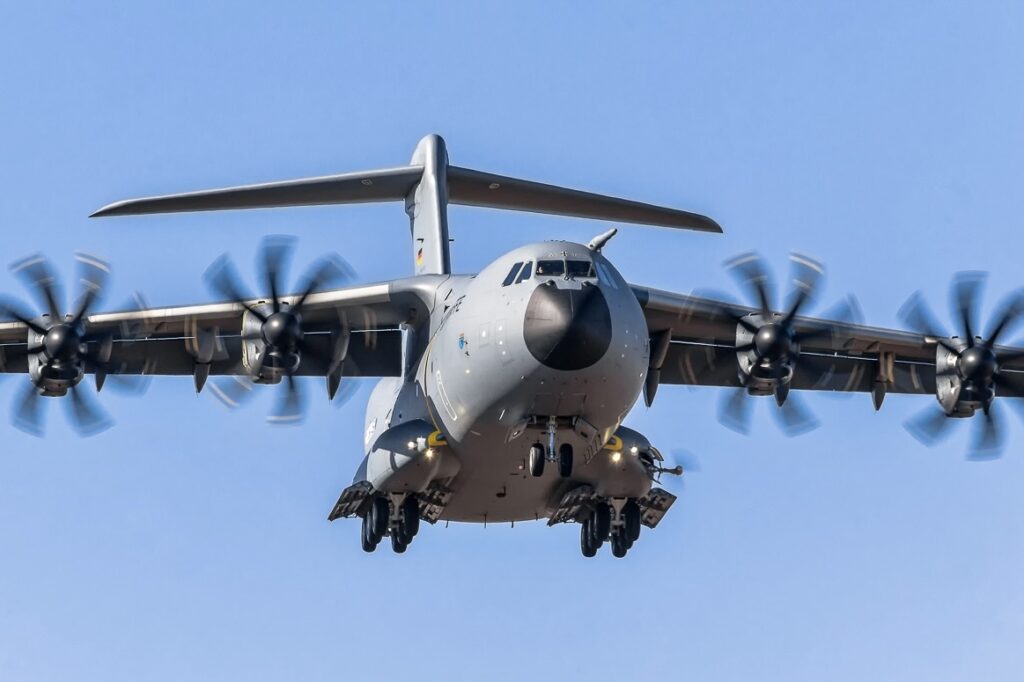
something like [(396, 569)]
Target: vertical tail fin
[(427, 207)]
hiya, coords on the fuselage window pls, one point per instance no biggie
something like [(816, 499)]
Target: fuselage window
[(525, 274), (512, 274), (580, 268), (550, 268)]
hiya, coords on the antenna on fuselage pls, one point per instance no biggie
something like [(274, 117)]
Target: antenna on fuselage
[(427, 185)]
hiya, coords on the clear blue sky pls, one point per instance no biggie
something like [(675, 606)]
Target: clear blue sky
[(191, 543)]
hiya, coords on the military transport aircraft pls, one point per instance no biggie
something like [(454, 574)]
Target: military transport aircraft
[(501, 395)]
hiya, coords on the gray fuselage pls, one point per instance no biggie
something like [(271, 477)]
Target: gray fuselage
[(549, 333)]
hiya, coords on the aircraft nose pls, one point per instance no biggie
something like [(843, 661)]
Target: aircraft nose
[(567, 329)]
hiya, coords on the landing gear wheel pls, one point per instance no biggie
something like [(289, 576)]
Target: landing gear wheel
[(366, 534), (537, 458), (398, 544), (620, 543), (380, 511), (409, 518), (602, 520), (565, 460), (595, 541), (632, 518), (587, 545)]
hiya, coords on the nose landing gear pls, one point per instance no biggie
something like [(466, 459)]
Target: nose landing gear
[(539, 453)]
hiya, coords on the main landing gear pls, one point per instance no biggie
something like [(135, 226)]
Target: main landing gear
[(402, 526), (539, 454), (603, 523)]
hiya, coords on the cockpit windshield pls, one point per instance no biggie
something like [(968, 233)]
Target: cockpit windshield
[(580, 268), (550, 268), (572, 269)]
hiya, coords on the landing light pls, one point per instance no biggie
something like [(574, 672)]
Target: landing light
[(616, 456), (411, 445), (633, 450), (429, 453)]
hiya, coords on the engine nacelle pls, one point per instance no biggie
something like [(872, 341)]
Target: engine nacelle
[(53, 377), (277, 363), (957, 397), (761, 376)]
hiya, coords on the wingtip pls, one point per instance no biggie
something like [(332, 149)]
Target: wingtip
[(108, 210)]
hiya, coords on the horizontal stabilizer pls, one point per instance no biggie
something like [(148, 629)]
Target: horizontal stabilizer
[(475, 188), (450, 184), (390, 184)]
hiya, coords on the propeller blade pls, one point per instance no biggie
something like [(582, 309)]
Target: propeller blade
[(348, 388), (27, 415), (686, 459), (12, 309), (40, 279), (1009, 314), (734, 411), (751, 274), (328, 272), (917, 315), (964, 300), (929, 427), (987, 443), (275, 254), (87, 417), (806, 277), (93, 273), (289, 408), (222, 278), (794, 417), (127, 384), (233, 391)]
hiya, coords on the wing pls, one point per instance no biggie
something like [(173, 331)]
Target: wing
[(172, 341), (701, 337)]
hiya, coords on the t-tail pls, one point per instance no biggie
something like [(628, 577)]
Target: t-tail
[(427, 185)]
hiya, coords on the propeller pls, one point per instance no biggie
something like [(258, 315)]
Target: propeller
[(60, 347), (278, 330), (773, 344), (973, 364)]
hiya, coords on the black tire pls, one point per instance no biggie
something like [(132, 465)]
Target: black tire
[(586, 545), (410, 518), (398, 544), (537, 460), (381, 510), (565, 460), (631, 515), (595, 541), (619, 545), (366, 535), (602, 521)]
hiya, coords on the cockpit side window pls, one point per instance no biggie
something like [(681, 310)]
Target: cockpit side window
[(511, 276), (550, 268), (525, 274), (580, 268)]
